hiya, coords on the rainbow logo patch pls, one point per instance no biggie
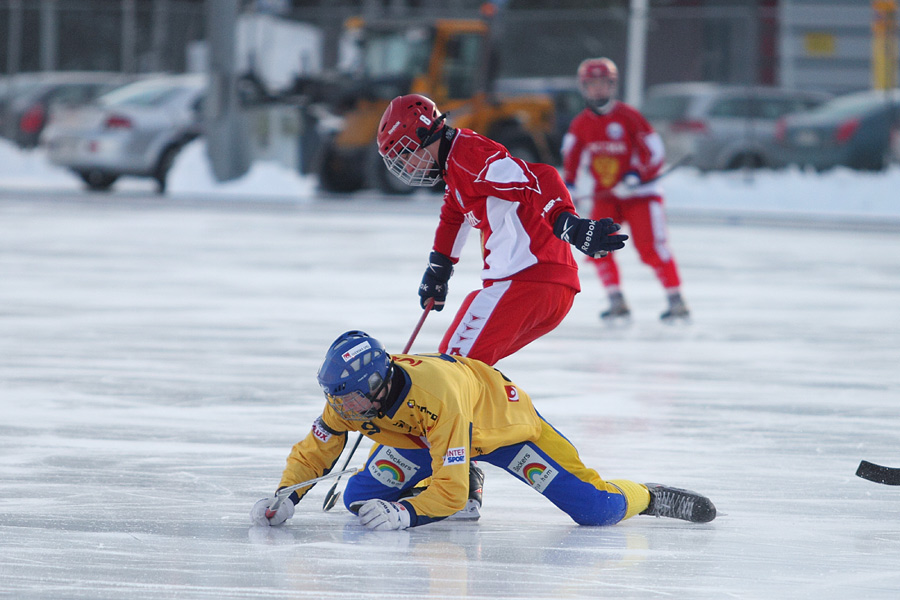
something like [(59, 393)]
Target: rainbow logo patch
[(533, 471), (533, 468), (386, 467)]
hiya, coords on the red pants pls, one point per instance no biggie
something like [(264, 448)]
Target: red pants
[(497, 320), (646, 219)]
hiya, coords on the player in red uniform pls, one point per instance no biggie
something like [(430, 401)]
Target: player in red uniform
[(622, 153), (523, 213)]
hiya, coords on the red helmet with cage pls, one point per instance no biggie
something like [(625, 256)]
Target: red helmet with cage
[(597, 80), (408, 124)]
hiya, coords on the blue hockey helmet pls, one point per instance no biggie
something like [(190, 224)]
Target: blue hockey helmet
[(356, 369)]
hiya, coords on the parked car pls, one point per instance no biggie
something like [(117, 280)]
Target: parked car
[(723, 127), (137, 129), (28, 99), (856, 130)]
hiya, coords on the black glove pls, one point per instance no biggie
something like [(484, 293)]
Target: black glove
[(434, 281), (594, 238)]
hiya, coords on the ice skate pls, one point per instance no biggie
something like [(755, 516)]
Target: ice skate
[(677, 503), (677, 311), (618, 310)]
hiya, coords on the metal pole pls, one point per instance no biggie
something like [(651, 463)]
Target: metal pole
[(129, 34), (14, 39), (48, 35), (637, 50), (158, 45)]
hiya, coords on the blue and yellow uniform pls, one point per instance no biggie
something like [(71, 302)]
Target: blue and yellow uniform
[(442, 412)]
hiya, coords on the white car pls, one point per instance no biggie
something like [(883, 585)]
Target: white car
[(136, 129)]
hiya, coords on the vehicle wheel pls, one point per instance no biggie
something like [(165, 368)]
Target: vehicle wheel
[(745, 160), (163, 167), (340, 174), (384, 180), (98, 181), (522, 147)]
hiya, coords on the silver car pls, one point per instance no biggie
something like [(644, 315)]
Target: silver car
[(723, 127), (137, 130)]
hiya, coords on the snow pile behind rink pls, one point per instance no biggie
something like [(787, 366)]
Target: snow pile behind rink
[(837, 193)]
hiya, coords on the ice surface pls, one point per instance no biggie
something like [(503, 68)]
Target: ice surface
[(158, 358)]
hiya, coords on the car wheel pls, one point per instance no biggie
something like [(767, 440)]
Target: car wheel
[(164, 166), (384, 180), (98, 181), (340, 173), (745, 160)]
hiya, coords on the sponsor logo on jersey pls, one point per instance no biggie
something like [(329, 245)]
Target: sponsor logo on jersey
[(512, 393), (471, 219), (615, 130), (530, 466), (319, 431), (355, 351), (607, 147), (391, 469), (455, 456), (411, 403), (548, 206)]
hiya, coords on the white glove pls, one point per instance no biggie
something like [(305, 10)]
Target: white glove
[(631, 179), (258, 512), (381, 515)]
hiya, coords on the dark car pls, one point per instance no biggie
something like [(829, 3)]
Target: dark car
[(854, 130), (28, 98), (723, 126)]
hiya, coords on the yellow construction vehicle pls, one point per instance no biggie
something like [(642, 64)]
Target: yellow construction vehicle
[(448, 60)]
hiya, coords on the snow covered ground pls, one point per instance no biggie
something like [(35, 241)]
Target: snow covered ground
[(158, 358)]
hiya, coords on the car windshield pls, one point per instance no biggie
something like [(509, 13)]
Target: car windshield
[(142, 94), (397, 53), (666, 108), (853, 104)]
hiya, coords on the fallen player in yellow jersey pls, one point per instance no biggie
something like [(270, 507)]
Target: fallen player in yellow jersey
[(432, 415)]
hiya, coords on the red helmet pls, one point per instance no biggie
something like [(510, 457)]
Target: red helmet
[(595, 70), (407, 115), (408, 124)]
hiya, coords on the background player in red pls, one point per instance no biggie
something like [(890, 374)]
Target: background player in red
[(523, 213), (622, 153)]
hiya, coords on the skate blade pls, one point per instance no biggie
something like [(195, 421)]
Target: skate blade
[(471, 512)]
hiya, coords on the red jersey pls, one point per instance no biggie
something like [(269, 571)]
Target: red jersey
[(513, 204), (609, 146)]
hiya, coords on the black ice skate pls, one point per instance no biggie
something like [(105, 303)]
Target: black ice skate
[(677, 311), (472, 510), (677, 503), (618, 309)]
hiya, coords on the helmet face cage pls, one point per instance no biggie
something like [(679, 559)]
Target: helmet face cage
[(593, 70), (411, 164), (409, 124), (356, 370)]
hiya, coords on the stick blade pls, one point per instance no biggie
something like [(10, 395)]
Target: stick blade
[(878, 474), (331, 501)]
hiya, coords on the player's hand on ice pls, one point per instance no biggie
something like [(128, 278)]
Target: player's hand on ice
[(382, 515), (258, 514), (594, 238), (434, 282)]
